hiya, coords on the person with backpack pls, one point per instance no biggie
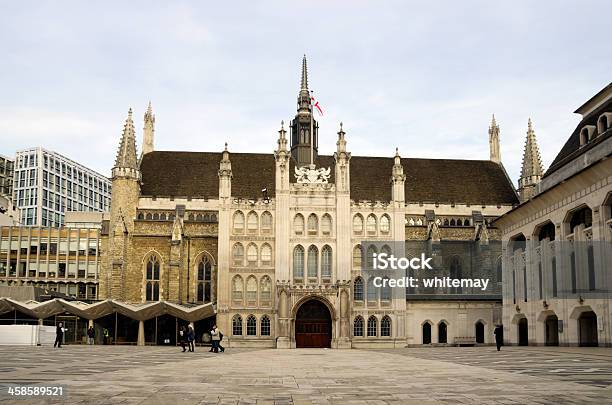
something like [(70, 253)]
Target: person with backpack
[(191, 337), (91, 334), (216, 340)]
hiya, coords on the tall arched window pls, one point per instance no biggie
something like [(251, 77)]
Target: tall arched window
[(252, 254), (265, 292), (357, 256), (358, 289), (313, 261), (266, 222), (238, 222), (237, 325), (442, 332), (204, 279), (370, 257), (238, 254), (237, 288), (385, 326), (251, 325), (371, 224), (591, 266), (326, 261), (326, 224), (251, 289), (252, 222), (298, 262), (385, 224), (298, 224), (553, 266), (455, 272), (152, 279), (313, 224), (372, 291), (264, 328), (358, 224), (358, 326), (385, 290), (266, 254), (372, 326)]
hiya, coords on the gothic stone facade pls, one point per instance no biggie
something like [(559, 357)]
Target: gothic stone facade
[(274, 241)]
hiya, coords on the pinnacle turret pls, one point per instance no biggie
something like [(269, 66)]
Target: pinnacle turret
[(494, 149), (148, 131), (531, 171), (126, 155), (304, 83)]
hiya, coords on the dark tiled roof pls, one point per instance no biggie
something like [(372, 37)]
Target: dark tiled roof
[(572, 148), (194, 174)]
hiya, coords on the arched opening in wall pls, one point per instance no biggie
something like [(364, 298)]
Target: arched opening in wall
[(313, 325), (426, 333), (587, 329), (523, 332), (551, 329), (546, 231), (479, 332), (442, 332), (602, 123)]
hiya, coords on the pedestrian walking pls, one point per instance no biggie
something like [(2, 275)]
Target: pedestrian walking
[(216, 336), (182, 337), (499, 336), (105, 336), (91, 334), (59, 335), (191, 337)]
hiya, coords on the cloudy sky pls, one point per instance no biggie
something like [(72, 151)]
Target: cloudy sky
[(423, 76)]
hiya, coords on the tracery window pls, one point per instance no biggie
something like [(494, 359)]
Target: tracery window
[(152, 279)]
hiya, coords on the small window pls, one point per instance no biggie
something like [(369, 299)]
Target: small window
[(358, 225), (251, 290), (357, 256), (237, 288), (298, 262), (266, 223), (238, 254), (238, 222), (252, 222), (313, 224), (266, 254), (266, 289), (358, 289), (326, 262), (371, 224), (298, 224), (252, 254), (326, 224), (385, 224), (313, 259)]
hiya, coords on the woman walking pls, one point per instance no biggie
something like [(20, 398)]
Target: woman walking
[(191, 337), (182, 334)]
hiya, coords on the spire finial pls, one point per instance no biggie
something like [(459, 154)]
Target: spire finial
[(529, 125), (149, 108), (282, 124), (225, 150), (396, 151), (304, 83), (493, 122)]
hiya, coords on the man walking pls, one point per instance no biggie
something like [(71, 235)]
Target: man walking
[(59, 335), (191, 337), (499, 336), (91, 334)]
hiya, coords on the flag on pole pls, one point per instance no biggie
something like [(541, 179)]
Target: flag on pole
[(316, 105)]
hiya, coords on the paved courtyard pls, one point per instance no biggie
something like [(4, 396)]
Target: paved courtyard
[(163, 375)]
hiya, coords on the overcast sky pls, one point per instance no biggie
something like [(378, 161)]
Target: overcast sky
[(422, 76)]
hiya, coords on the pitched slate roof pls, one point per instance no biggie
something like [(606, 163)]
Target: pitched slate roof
[(194, 174), (572, 149)]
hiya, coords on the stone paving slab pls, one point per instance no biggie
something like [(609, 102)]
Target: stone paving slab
[(163, 375)]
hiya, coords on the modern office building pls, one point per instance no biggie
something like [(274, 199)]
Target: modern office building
[(6, 176), (47, 184)]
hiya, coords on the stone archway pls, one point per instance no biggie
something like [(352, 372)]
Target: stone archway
[(551, 330), (587, 329), (313, 325), (523, 332)]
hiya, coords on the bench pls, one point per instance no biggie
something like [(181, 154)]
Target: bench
[(465, 341)]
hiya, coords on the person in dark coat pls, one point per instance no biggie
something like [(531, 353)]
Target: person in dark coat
[(191, 337), (182, 337), (91, 334), (59, 335), (499, 336)]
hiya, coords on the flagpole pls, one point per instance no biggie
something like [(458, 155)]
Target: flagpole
[(311, 133)]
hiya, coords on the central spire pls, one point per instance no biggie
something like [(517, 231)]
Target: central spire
[(304, 85), (304, 129)]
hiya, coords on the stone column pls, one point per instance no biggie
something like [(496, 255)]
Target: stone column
[(141, 335)]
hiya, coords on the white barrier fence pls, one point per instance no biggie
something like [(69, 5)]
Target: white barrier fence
[(27, 335)]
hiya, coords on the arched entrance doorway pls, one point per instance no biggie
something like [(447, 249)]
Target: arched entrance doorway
[(523, 332), (552, 330), (480, 332), (313, 325), (587, 328), (426, 333), (442, 337)]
